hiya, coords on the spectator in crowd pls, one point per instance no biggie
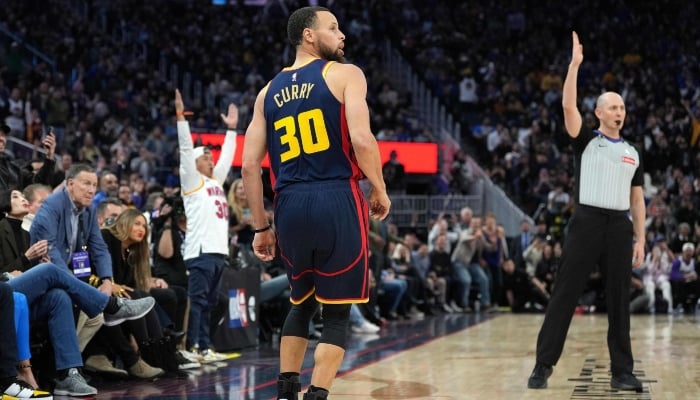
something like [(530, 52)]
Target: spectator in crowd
[(24, 367), (492, 254), (524, 293), (685, 285), (35, 194), (13, 175), (439, 273), (69, 224), (680, 237), (109, 187), (655, 275), (394, 174), (11, 386), (519, 243), (50, 291), (206, 244), (15, 252), (466, 266), (128, 247), (240, 223), (168, 262)]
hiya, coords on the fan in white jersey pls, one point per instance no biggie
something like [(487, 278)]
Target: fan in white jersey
[(206, 241)]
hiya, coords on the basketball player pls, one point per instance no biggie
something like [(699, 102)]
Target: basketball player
[(313, 120), (609, 180), (206, 243)]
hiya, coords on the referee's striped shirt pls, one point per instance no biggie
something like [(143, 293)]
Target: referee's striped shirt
[(606, 169)]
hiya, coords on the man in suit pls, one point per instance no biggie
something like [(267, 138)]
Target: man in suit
[(69, 223), (519, 243)]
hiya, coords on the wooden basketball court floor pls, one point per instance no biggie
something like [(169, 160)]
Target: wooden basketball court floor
[(461, 356)]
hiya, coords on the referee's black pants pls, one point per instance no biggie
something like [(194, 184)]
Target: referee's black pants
[(595, 237)]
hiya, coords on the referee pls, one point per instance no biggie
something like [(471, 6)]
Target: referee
[(609, 180)]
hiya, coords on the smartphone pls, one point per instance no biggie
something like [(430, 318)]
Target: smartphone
[(45, 135)]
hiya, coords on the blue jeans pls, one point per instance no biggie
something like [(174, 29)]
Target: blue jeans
[(273, 288), (22, 326), (394, 289), (8, 337), (203, 287), (50, 292), (464, 276), (39, 279), (356, 317)]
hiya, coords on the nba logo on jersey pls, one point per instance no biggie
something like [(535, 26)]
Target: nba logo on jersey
[(237, 309), (294, 77)]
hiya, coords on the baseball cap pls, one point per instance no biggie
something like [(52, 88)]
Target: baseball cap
[(5, 129), (199, 151)]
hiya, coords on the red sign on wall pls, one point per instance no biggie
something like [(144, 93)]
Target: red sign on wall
[(417, 158)]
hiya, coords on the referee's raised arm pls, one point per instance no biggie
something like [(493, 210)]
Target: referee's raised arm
[(572, 117)]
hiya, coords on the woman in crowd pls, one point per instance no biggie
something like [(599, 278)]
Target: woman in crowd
[(15, 252), (240, 223), (127, 244)]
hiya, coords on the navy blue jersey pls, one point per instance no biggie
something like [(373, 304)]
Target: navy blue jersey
[(307, 134)]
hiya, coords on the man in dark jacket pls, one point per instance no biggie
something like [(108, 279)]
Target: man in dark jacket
[(13, 175)]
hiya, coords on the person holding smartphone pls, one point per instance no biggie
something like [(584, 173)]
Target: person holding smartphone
[(13, 175)]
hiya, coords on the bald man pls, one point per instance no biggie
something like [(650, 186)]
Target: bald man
[(609, 178)]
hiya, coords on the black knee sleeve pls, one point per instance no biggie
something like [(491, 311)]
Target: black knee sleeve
[(335, 324), (299, 317)]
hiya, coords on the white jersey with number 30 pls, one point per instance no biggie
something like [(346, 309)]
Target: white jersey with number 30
[(207, 220), (204, 198)]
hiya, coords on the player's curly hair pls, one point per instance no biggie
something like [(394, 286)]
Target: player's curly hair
[(301, 19)]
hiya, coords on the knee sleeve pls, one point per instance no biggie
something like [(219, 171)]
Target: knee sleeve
[(299, 317), (335, 324)]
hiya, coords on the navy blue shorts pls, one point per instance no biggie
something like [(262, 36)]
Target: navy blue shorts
[(322, 232)]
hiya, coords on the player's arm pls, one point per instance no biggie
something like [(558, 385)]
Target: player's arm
[(363, 141), (254, 149), (638, 212), (572, 117), (190, 178), (357, 116)]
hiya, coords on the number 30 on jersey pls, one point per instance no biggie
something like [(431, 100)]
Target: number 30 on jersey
[(310, 143)]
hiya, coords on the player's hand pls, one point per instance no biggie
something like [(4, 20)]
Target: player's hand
[(379, 204), (231, 119), (264, 245), (576, 50)]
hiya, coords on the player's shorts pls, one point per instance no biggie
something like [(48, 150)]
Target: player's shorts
[(322, 232)]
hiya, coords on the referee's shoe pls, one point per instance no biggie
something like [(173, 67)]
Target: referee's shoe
[(538, 378), (626, 382)]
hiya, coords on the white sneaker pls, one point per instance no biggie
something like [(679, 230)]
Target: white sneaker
[(455, 307), (190, 355), (366, 327), (210, 355), (446, 308), (185, 363)]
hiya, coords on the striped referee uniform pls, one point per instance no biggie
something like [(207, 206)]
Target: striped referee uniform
[(600, 233)]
